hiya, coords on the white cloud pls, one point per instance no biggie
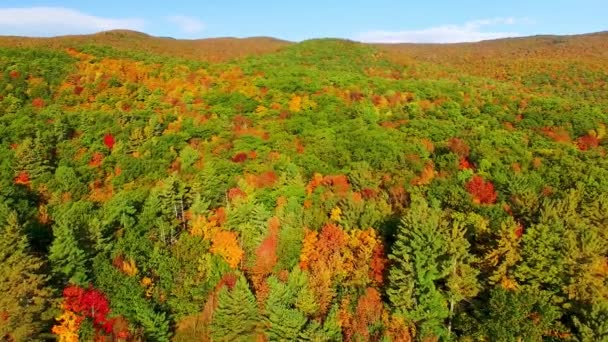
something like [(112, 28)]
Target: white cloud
[(472, 31), (189, 25), (52, 21)]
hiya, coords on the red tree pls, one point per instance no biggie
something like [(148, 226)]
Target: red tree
[(38, 102), (109, 141), (239, 157), (482, 191), (89, 303)]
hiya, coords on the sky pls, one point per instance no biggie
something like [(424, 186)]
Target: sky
[(428, 21)]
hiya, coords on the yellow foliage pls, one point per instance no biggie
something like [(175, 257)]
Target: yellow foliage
[(308, 246), (336, 214), (261, 110), (508, 284), (295, 104), (129, 267), (226, 245), (203, 227), (145, 281), (67, 330)]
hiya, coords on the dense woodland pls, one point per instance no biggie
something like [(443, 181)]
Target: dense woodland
[(319, 191)]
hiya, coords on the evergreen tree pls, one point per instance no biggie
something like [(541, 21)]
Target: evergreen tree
[(68, 260), (236, 317), (24, 296), (511, 316), (418, 256)]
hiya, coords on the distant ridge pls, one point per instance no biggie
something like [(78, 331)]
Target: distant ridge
[(209, 49), (226, 48)]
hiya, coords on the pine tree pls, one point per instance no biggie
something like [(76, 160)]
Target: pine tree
[(417, 257), (32, 158), (461, 280), (24, 295), (512, 316), (285, 320), (236, 317), (67, 259)]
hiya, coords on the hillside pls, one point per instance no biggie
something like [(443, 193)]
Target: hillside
[(154, 189), (214, 49)]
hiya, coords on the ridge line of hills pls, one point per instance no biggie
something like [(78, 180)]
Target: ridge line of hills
[(226, 48)]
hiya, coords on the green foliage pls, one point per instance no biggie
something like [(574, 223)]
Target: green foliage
[(236, 317)]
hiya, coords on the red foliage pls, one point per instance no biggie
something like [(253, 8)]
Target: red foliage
[(78, 90), (229, 280), (482, 191), (519, 231), (464, 164), (38, 102), (22, 178), (89, 303), (14, 74), (588, 142), (235, 193), (109, 141), (239, 157), (368, 193)]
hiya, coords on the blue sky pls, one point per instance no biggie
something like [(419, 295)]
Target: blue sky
[(373, 20)]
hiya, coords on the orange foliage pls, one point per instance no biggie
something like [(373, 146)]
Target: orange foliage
[(339, 183), (235, 193), (226, 245), (558, 134), (369, 311), (333, 256), (67, 329), (96, 159), (265, 259), (426, 176), (264, 180), (459, 147), (38, 102), (295, 104), (428, 145)]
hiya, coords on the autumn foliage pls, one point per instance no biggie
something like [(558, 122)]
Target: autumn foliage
[(482, 191), (109, 141), (84, 303)]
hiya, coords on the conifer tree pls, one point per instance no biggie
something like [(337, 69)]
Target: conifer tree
[(417, 257), (236, 317), (24, 296), (68, 260)]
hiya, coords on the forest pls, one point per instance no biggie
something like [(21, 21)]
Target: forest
[(326, 190)]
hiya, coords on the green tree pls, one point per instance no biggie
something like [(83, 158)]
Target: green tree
[(25, 297), (418, 256), (68, 260), (236, 317)]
